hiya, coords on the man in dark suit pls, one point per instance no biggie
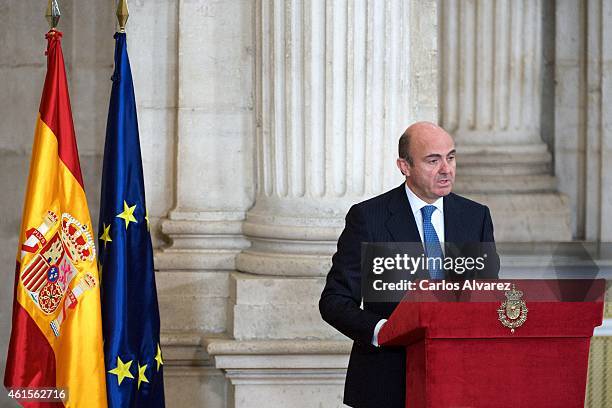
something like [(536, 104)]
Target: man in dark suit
[(421, 210)]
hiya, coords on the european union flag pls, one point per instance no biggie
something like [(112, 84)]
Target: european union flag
[(130, 315)]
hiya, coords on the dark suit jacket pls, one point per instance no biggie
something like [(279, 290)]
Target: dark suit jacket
[(376, 376)]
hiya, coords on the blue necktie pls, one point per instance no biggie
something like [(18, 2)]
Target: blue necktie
[(433, 250)]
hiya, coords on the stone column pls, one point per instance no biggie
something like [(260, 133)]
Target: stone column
[(336, 84), (491, 68), (212, 184), (213, 187), (213, 152), (583, 114), (583, 148), (491, 94)]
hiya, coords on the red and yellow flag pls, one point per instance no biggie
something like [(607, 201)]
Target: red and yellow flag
[(56, 338)]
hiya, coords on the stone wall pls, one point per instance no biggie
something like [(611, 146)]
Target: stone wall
[(262, 121)]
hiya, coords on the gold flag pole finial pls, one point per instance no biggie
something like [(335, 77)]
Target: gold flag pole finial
[(122, 14), (53, 14)]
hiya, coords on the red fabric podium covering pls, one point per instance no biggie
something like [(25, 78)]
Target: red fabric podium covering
[(459, 354)]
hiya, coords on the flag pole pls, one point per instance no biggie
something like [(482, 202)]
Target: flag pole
[(53, 14), (122, 14)]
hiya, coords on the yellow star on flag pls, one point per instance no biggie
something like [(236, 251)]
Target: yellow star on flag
[(158, 358), (148, 222), (122, 370), (127, 214), (106, 234), (141, 374)]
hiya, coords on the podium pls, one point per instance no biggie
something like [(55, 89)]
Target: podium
[(458, 353)]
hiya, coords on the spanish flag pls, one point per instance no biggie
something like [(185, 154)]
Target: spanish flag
[(56, 338)]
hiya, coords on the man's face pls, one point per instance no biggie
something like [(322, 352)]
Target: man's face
[(432, 173)]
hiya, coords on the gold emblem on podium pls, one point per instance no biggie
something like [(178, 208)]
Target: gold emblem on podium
[(513, 311)]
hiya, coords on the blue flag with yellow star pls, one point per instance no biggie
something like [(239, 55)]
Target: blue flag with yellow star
[(130, 314)]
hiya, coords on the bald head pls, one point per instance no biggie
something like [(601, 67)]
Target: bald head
[(419, 132), (427, 159)]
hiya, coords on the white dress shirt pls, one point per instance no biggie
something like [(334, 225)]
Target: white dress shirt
[(437, 220), (437, 217)]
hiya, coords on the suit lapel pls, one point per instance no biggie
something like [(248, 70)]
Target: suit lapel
[(401, 224), (452, 217)]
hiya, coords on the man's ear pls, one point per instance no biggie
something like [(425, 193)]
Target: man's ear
[(403, 166)]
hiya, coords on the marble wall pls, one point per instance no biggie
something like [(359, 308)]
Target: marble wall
[(244, 163)]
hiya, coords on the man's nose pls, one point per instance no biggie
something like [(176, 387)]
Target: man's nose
[(444, 167)]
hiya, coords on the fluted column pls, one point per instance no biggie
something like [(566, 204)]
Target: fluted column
[(491, 68), (491, 97), (336, 84)]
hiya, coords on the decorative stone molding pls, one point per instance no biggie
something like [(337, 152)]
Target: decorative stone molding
[(311, 373), (201, 241)]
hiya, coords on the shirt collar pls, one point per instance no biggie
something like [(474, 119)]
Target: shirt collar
[(416, 203)]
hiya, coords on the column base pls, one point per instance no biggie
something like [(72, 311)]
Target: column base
[(276, 308), (201, 241), (190, 378), (282, 373), (517, 184), (534, 217), (295, 244), (284, 264)]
